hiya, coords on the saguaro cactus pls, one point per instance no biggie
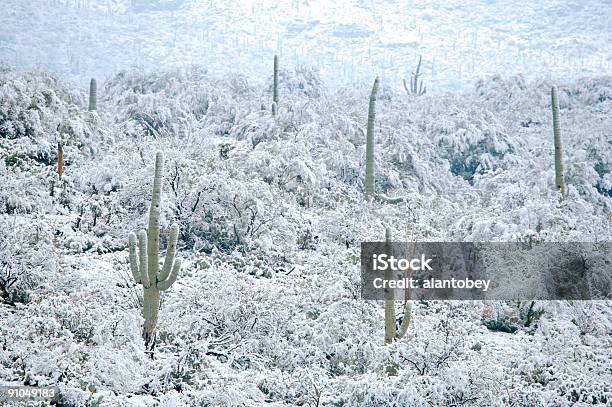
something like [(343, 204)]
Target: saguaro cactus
[(369, 175), (416, 87), (93, 94), (403, 329), (145, 264), (559, 181), (390, 329), (275, 86)]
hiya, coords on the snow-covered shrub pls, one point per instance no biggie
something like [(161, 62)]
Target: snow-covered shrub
[(286, 167), (73, 397), (591, 169), (24, 260), (304, 81), (37, 106), (589, 317), (177, 103), (573, 393), (232, 213), (473, 140), (431, 348), (510, 317), (30, 107), (591, 91), (23, 192), (580, 272), (36, 113), (302, 387)]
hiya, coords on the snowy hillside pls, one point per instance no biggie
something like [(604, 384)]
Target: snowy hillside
[(266, 309), (180, 231), (348, 41)]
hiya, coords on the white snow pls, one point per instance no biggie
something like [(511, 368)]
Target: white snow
[(267, 308), (348, 41)]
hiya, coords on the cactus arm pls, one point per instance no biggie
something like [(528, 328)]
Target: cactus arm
[(390, 331), (405, 86), (403, 329), (144, 264), (154, 210), (273, 108), (170, 254), (134, 257), (369, 176), (559, 181), (164, 285)]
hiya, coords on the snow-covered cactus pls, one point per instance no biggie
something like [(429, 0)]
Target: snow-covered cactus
[(144, 264), (559, 181), (275, 85), (416, 88), (369, 175), (93, 94), (390, 330)]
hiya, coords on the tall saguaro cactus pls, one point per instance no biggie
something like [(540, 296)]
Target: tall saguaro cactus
[(275, 85), (369, 175), (559, 181), (93, 95), (145, 264)]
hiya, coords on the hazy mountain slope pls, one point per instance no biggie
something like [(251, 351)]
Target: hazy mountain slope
[(349, 41)]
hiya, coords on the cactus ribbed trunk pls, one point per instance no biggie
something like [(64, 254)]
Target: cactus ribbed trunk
[(390, 331), (154, 211), (559, 181), (150, 309), (369, 175), (275, 86), (150, 303), (93, 94), (145, 264), (403, 329)]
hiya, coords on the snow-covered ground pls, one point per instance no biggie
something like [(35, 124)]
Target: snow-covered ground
[(267, 309), (348, 40)]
